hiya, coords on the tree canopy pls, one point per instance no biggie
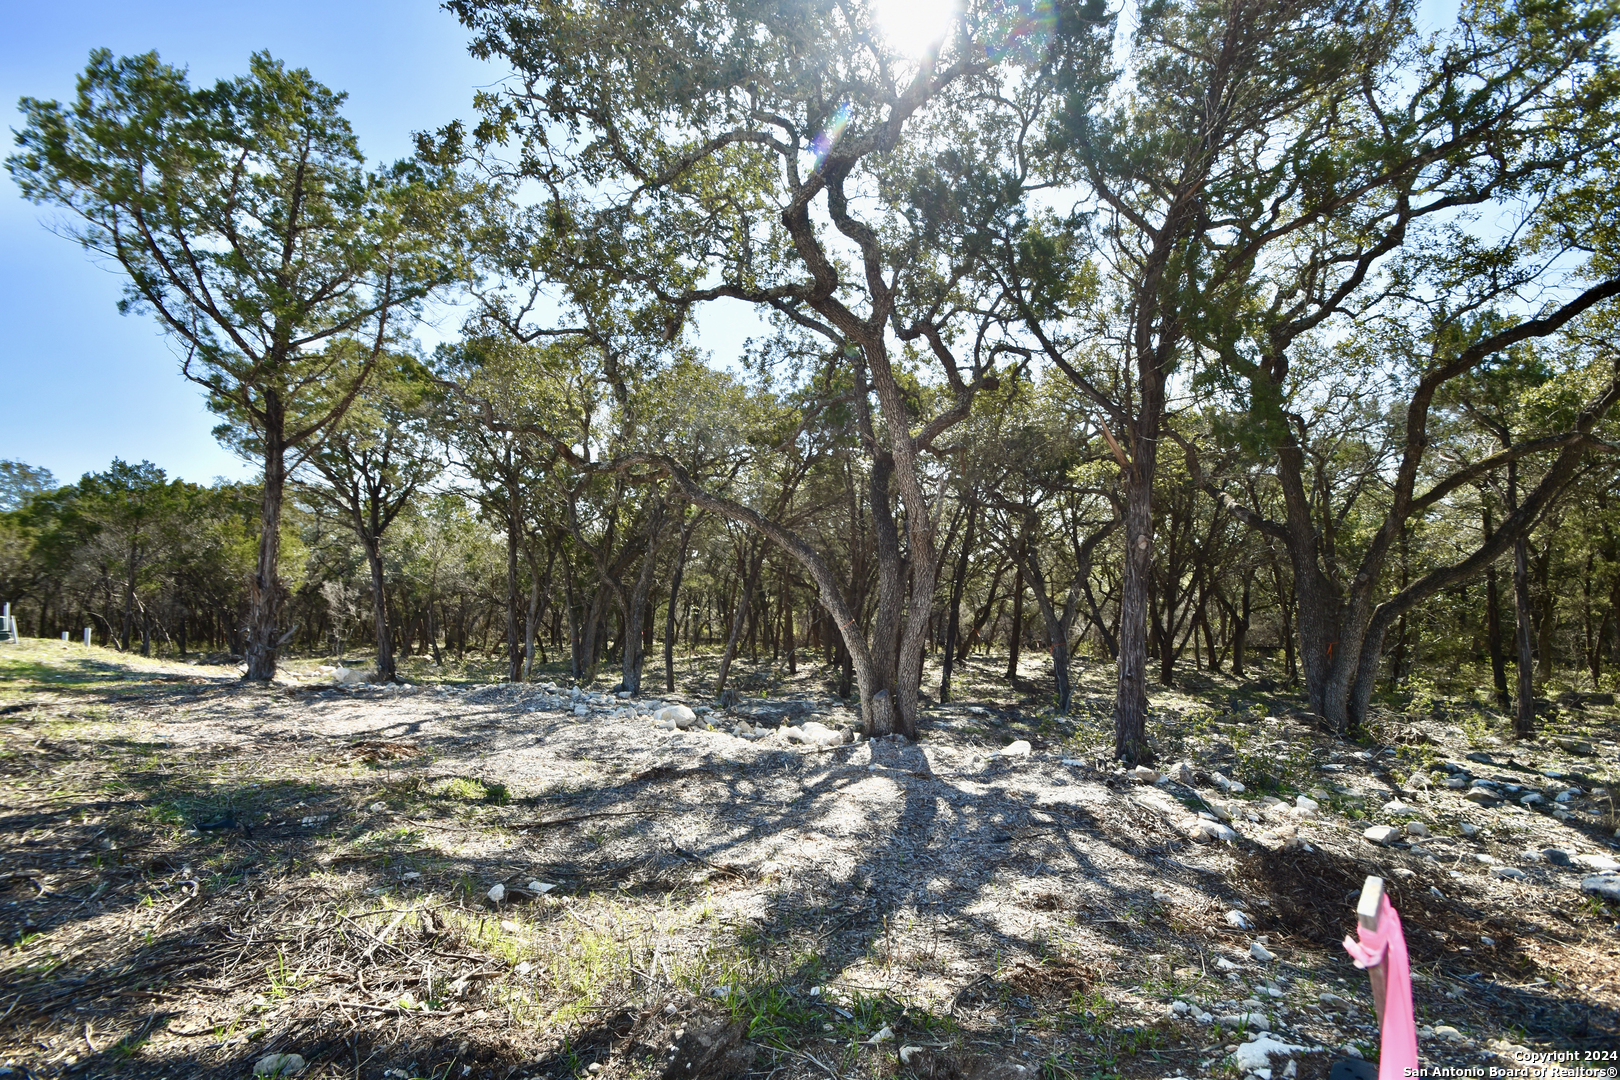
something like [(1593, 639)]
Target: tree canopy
[(1231, 327)]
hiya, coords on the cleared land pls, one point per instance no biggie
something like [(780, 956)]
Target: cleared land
[(199, 874)]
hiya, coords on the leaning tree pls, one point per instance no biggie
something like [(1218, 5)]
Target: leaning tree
[(1511, 117), (791, 158)]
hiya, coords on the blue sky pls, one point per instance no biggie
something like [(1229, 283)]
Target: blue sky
[(80, 384)]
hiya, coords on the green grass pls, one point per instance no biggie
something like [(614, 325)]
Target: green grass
[(472, 790)]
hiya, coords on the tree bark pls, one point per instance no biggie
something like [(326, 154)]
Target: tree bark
[(1015, 634), (379, 609), (636, 607), (539, 588), (1057, 626), (1240, 629), (1524, 715), (265, 592), (1493, 626), (590, 648), (1130, 703), (787, 624)]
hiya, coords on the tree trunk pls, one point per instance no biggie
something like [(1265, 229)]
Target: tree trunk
[(674, 601), (514, 656), (1130, 703), (1015, 635), (1591, 626), (1493, 628), (1057, 628), (129, 598), (265, 592), (539, 586), (981, 617), (954, 623), (846, 669), (787, 624), (636, 611), (379, 610), (1400, 663), (1524, 716), (1164, 626), (590, 648), (433, 630), (750, 580), (1546, 620), (1240, 629), (576, 637), (874, 677)]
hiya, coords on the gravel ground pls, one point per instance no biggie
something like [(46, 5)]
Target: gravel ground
[(996, 897)]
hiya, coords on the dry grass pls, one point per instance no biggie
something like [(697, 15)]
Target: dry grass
[(197, 874)]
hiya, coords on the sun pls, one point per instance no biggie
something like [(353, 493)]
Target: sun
[(913, 26)]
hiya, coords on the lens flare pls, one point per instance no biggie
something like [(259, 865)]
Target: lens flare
[(828, 137), (1031, 28)]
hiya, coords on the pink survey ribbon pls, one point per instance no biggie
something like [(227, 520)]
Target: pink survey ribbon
[(1397, 1047)]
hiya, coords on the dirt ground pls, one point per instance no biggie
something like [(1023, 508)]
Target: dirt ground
[(457, 880)]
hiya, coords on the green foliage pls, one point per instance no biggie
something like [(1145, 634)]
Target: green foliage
[(246, 222), (473, 789), (20, 482)]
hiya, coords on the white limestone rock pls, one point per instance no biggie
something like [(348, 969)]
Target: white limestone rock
[(1260, 1053), (675, 716), (1204, 830), (1603, 886), (814, 733), (1601, 863)]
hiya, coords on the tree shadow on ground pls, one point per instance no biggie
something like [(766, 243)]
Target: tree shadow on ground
[(958, 852)]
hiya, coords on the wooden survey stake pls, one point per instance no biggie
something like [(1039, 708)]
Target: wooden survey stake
[(1372, 895)]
